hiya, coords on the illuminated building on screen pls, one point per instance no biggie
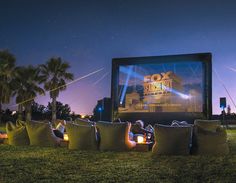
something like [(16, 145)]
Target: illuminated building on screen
[(162, 92), (162, 88)]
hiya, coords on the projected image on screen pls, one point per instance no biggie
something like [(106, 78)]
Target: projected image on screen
[(172, 87)]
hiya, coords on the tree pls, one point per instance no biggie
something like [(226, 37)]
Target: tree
[(63, 110), (7, 66), (8, 116), (26, 88), (74, 116), (55, 74), (38, 111)]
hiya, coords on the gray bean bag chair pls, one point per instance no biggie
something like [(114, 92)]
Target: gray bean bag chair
[(41, 134), (171, 140), (17, 134), (209, 138), (81, 137), (114, 136)]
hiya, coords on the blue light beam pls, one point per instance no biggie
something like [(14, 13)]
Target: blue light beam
[(126, 83), (131, 73), (182, 95)]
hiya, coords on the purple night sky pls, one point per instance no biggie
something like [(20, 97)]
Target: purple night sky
[(88, 34)]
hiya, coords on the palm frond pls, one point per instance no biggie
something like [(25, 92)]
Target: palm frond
[(55, 70)]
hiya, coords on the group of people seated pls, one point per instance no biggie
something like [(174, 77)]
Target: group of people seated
[(180, 138), (137, 128)]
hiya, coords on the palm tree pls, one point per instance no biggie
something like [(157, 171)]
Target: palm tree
[(7, 66), (26, 88), (55, 74)]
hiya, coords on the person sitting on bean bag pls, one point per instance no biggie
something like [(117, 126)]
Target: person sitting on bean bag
[(60, 129), (138, 128)]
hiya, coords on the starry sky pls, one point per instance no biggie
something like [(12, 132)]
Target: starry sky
[(89, 33)]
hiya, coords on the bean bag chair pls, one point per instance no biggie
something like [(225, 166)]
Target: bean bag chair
[(20, 123), (114, 136), (172, 140), (83, 122), (209, 138), (208, 125), (17, 135), (41, 134), (81, 137)]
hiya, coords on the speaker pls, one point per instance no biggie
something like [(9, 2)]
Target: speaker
[(223, 102)]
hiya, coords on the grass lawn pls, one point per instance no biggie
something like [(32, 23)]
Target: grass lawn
[(3, 127), (34, 164)]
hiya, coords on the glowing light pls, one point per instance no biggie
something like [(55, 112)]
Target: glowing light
[(65, 137), (182, 95), (99, 109), (140, 139), (3, 136), (222, 107), (83, 116)]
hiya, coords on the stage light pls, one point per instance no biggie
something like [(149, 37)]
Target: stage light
[(99, 109)]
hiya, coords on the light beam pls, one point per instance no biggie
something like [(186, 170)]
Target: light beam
[(222, 83), (231, 68), (126, 84), (100, 79), (69, 83)]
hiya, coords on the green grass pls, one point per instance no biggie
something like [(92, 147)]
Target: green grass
[(35, 164), (232, 139), (3, 127)]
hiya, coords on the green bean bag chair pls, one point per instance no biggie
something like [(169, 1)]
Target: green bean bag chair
[(114, 136), (20, 123), (81, 137), (209, 138), (171, 140), (83, 122), (41, 134), (208, 125), (17, 135)]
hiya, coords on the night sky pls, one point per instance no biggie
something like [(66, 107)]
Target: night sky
[(89, 33)]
